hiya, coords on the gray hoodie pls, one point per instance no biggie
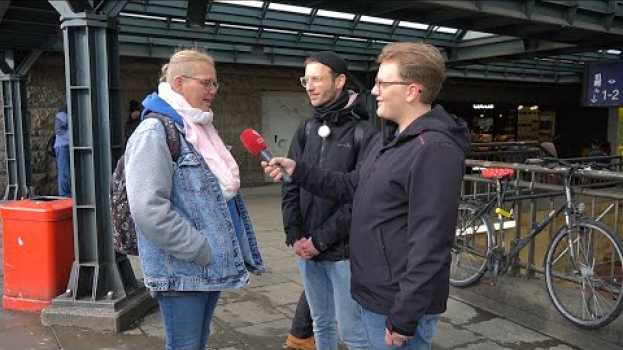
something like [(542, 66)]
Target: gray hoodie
[(149, 171)]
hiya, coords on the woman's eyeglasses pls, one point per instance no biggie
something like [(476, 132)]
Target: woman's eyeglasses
[(207, 83)]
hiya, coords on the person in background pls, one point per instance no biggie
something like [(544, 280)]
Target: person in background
[(134, 118), (61, 150)]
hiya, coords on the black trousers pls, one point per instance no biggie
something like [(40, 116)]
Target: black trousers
[(302, 325)]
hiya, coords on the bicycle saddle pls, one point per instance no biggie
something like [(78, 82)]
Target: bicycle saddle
[(497, 173)]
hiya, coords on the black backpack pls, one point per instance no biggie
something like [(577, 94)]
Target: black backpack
[(123, 229)]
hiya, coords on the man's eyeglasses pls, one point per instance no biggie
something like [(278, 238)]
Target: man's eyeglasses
[(206, 83), (379, 83), (314, 80)]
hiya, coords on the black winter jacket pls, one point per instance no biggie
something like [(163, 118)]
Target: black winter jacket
[(326, 221), (405, 201)]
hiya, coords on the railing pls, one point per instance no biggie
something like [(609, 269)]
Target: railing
[(519, 152), (540, 190), (511, 152)]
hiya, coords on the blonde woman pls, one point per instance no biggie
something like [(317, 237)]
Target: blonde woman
[(195, 237)]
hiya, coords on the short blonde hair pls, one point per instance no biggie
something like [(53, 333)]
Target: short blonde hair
[(183, 62), (420, 63)]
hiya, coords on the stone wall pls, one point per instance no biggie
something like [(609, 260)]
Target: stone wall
[(237, 106), (45, 91)]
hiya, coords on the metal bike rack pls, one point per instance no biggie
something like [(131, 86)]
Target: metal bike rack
[(539, 189)]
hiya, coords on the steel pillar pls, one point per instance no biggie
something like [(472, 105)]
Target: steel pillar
[(102, 292), (16, 130)]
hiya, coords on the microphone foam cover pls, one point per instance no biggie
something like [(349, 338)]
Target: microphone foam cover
[(252, 141)]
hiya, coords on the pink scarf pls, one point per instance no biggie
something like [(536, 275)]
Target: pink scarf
[(200, 132)]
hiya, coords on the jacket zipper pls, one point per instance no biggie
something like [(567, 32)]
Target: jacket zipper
[(384, 253)]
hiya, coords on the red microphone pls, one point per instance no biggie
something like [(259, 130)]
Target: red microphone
[(255, 144)]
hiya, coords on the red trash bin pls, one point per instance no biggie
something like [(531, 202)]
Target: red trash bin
[(38, 251)]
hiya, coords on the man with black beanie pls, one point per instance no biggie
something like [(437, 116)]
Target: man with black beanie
[(335, 138)]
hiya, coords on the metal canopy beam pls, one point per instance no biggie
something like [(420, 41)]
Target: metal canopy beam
[(163, 48), (502, 47), (385, 7), (251, 18), (111, 8), (233, 27), (511, 76), (77, 6), (548, 66), (100, 279), (154, 38), (598, 23), (586, 17), (154, 29), (509, 16), (26, 64), (4, 6), (196, 12), (67, 8), (62, 7), (160, 48), (7, 62)]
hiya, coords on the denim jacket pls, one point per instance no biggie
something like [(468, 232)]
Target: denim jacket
[(195, 196)]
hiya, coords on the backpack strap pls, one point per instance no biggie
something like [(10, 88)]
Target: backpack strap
[(172, 134), (308, 129), (358, 136)]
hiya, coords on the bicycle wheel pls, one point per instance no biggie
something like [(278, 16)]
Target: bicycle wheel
[(583, 274), (471, 246)]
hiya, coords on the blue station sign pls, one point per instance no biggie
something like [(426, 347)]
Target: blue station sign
[(603, 84)]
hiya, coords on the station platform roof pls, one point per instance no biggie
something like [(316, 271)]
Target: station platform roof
[(516, 40)]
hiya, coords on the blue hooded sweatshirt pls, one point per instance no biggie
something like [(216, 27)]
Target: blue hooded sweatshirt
[(153, 103)]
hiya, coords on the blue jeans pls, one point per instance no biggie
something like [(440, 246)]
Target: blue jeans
[(63, 171), (186, 317), (327, 285), (375, 327)]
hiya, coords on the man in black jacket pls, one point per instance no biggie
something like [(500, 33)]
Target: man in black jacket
[(335, 138), (405, 200)]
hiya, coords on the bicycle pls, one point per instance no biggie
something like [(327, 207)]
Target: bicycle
[(583, 273)]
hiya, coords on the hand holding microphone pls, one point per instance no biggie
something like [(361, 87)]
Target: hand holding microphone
[(278, 168)]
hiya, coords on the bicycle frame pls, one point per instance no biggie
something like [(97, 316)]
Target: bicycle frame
[(567, 207), (584, 286)]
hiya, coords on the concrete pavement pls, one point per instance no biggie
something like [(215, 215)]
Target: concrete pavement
[(513, 315)]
